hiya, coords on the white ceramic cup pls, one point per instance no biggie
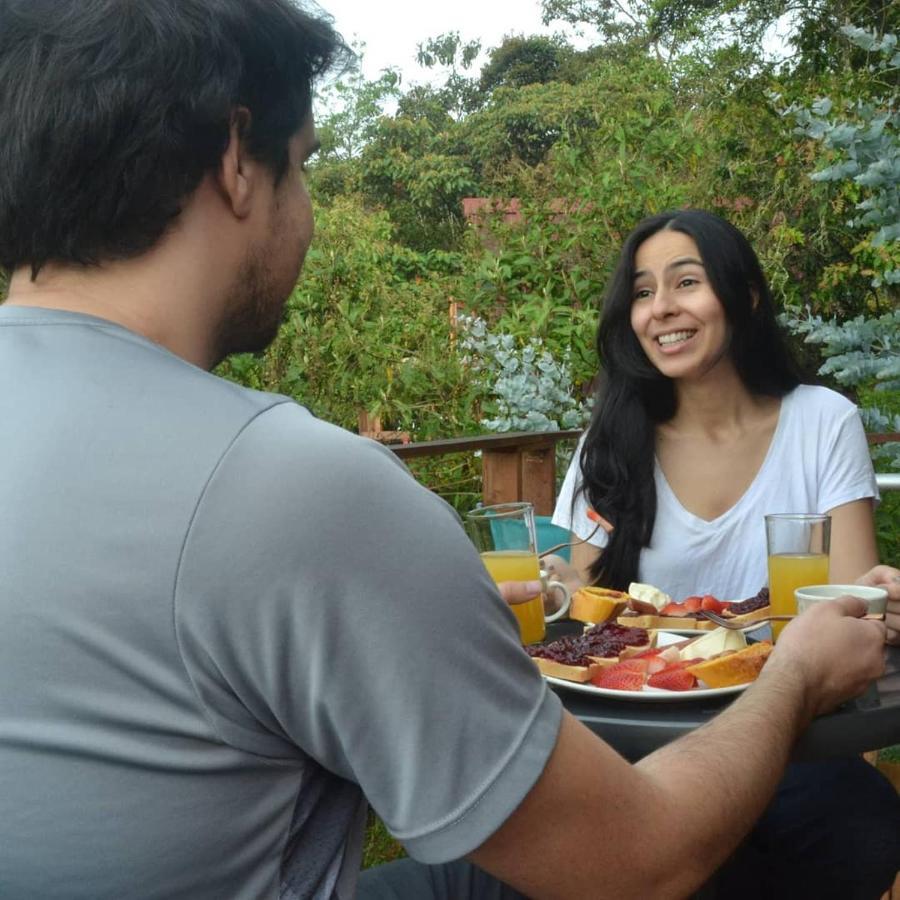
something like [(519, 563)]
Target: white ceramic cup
[(556, 588), (875, 597)]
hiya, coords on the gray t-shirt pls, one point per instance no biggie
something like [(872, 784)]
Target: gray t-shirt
[(221, 622)]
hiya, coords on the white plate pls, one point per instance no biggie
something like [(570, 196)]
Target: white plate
[(650, 694)]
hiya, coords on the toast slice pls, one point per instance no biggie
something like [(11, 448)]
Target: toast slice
[(581, 674)]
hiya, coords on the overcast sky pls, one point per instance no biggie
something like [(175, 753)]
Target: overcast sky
[(391, 29)]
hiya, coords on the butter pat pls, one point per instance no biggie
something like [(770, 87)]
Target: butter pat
[(649, 594), (714, 643)]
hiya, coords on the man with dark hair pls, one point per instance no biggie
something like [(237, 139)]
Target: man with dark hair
[(194, 702)]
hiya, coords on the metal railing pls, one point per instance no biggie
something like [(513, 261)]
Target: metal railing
[(888, 482)]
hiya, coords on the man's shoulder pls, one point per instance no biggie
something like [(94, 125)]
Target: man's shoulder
[(283, 434)]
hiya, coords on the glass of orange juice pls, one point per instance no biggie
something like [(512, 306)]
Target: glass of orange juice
[(506, 538), (798, 547)]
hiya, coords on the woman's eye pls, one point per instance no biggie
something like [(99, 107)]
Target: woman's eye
[(687, 282), (641, 293)]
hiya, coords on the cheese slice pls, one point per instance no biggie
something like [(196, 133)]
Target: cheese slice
[(649, 594), (713, 643)]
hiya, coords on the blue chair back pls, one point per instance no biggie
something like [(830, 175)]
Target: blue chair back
[(549, 535)]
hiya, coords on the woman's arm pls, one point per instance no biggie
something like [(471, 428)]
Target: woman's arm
[(853, 548), (583, 557)]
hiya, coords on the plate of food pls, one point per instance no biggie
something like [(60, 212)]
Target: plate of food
[(622, 662)]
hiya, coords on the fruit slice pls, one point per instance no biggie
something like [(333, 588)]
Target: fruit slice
[(712, 604), (674, 609), (618, 678), (656, 664), (729, 669), (597, 604), (673, 678)]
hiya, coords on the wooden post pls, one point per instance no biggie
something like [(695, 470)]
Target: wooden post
[(539, 479), (455, 311), (368, 424), (501, 476), (520, 474)]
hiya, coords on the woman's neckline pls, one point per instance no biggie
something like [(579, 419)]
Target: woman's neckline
[(774, 442)]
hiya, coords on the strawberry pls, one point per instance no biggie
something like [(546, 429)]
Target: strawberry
[(656, 664), (673, 679), (618, 678), (692, 604), (712, 604), (636, 665), (653, 651), (673, 609)]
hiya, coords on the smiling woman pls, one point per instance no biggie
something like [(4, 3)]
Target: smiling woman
[(689, 418), (699, 430)]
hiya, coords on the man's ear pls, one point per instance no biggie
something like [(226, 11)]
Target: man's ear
[(238, 173)]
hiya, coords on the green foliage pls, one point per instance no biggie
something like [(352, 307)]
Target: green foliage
[(354, 107), (861, 354), (887, 528), (521, 60), (701, 27), (459, 94), (379, 847), (863, 152), (364, 330), (529, 389)]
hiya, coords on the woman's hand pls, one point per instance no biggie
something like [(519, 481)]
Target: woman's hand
[(888, 578), (558, 569)]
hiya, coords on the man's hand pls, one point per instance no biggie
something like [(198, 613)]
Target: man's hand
[(888, 578), (514, 592), (834, 651)]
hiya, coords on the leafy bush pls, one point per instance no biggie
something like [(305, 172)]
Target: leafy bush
[(529, 389), (858, 354), (863, 151)]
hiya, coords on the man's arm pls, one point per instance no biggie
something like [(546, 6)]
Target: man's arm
[(594, 826)]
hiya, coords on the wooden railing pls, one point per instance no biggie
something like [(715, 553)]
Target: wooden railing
[(515, 466), (522, 465)]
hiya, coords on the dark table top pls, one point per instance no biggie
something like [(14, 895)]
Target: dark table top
[(636, 728)]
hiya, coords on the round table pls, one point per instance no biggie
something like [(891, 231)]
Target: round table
[(636, 728)]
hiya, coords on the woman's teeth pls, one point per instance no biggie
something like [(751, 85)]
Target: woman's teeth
[(675, 338)]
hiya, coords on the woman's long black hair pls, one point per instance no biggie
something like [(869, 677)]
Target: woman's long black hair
[(618, 455)]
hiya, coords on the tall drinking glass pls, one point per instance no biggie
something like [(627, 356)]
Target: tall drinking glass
[(798, 548), (505, 537)]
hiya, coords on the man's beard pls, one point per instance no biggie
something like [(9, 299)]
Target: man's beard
[(254, 311)]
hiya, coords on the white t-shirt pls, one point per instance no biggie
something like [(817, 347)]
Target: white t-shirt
[(818, 460)]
